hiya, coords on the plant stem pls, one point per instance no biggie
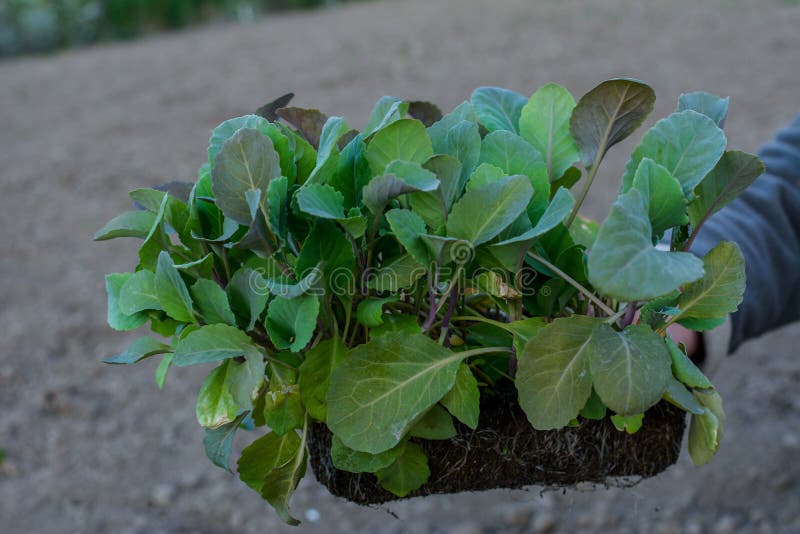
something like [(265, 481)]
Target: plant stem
[(574, 283), (584, 191)]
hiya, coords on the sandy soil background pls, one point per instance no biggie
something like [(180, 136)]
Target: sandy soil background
[(94, 448)]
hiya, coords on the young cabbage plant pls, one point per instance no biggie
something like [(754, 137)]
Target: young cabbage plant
[(380, 282)]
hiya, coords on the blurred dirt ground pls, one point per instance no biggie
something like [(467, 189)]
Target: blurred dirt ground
[(93, 448)]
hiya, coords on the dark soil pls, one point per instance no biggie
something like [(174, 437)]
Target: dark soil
[(505, 451)]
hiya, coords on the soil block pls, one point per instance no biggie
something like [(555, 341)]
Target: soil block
[(505, 451)]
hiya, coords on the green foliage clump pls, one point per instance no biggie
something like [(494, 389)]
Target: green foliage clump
[(380, 282)]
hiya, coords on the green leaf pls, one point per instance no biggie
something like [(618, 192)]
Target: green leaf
[(608, 114), (397, 274), (630, 369), (327, 249), (523, 330), (712, 106), (171, 290), (246, 378), (681, 397), (553, 377), (378, 392), (624, 264), (405, 140), (163, 368), (594, 408), (215, 404), (630, 424), (433, 206), (463, 142), (483, 213), (512, 154), (706, 430), (732, 174), (370, 311), (212, 302), (397, 323), (720, 291), (138, 293), (407, 226), (264, 455), (129, 224), (321, 201), (545, 124), (246, 161), (684, 369), (212, 343), (280, 483), (248, 293), (436, 423), (686, 143), (151, 247), (498, 108), (438, 130), (407, 473), (225, 131), (463, 401), (309, 122), (218, 442), (347, 459), (138, 350), (388, 109), (667, 204), (116, 318), (277, 209), (510, 251), (291, 322), (283, 406), (701, 325), (403, 177), (485, 174), (315, 373), (584, 231)]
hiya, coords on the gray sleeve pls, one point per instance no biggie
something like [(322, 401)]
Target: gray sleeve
[(765, 222)]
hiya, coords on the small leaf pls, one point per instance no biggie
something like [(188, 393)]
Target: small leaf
[(667, 204), (553, 377), (425, 112), (212, 302), (403, 177), (388, 109), (283, 407), (712, 106), (407, 226), (138, 350), (328, 155), (264, 455), (280, 483), (438, 130), (545, 124), (291, 322), (400, 273), (686, 143), (116, 318), (463, 401), (407, 473), (483, 213), (218, 442), (594, 408), (721, 290), (370, 311), (172, 292), (378, 392), (309, 122), (212, 343), (405, 140), (248, 293), (630, 369), (138, 293), (397, 323), (129, 224), (463, 142), (608, 114), (163, 369), (684, 369), (706, 430), (732, 174), (681, 397), (321, 201), (315, 373), (702, 325), (436, 423), (485, 174), (433, 206), (347, 459), (215, 404), (625, 265), (269, 110), (630, 424), (246, 378), (498, 108), (246, 161)]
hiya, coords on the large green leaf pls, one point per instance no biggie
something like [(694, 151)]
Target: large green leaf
[(712, 106), (328, 155), (405, 139), (483, 213), (545, 124), (438, 130), (407, 473), (665, 198), (246, 161), (173, 295), (377, 393), (686, 143), (347, 459), (129, 224), (139, 293), (630, 369), (291, 322), (498, 108), (218, 442), (315, 373), (402, 177), (264, 455), (463, 401), (720, 291), (732, 174), (138, 350), (212, 343), (212, 302), (215, 403), (553, 377), (608, 114), (464, 144), (227, 129), (280, 483), (626, 266), (407, 226), (321, 201)]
